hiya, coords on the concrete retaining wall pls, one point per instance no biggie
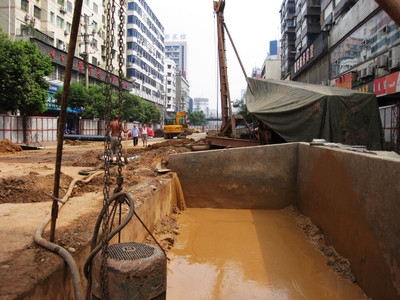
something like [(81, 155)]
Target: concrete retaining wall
[(250, 178), (152, 203), (353, 198)]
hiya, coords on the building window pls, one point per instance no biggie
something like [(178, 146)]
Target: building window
[(93, 43), (95, 8), (69, 6), (36, 12), (86, 2), (51, 17), (61, 2), (60, 22), (25, 5)]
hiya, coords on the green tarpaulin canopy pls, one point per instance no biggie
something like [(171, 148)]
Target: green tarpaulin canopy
[(301, 112)]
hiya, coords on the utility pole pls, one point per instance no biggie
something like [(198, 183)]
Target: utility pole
[(86, 42)]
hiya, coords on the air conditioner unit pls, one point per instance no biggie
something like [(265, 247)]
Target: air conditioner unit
[(394, 57), (382, 61), (363, 73), (66, 32), (27, 17), (369, 71), (63, 9), (360, 73)]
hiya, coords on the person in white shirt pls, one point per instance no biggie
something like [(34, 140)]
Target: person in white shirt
[(135, 135), (144, 135)]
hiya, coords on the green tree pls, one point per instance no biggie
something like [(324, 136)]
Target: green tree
[(132, 108), (197, 118), (97, 104), (94, 103), (22, 76), (136, 109), (77, 96), (152, 114)]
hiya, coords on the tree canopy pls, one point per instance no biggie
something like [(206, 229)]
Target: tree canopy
[(93, 102), (22, 76), (197, 118)]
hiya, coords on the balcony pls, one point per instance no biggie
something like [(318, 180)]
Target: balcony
[(311, 11), (343, 7), (30, 31)]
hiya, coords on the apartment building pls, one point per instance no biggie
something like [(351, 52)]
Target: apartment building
[(48, 24), (170, 75), (145, 52), (176, 50), (357, 47)]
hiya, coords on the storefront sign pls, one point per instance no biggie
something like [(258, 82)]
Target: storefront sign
[(366, 88), (344, 81), (393, 83), (380, 86)]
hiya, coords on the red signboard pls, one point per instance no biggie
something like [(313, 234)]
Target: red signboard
[(392, 83), (380, 86), (344, 81)]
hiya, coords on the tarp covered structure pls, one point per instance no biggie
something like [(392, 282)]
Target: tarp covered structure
[(301, 112)]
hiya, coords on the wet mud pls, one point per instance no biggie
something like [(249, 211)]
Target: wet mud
[(250, 254)]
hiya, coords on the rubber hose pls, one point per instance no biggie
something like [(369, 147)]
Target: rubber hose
[(94, 248), (60, 250)]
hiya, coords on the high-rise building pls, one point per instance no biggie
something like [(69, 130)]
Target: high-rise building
[(201, 104), (49, 23), (170, 75), (271, 67), (176, 49), (145, 52), (288, 36), (182, 93), (358, 47)]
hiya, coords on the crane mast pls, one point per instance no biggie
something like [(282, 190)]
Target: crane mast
[(223, 72)]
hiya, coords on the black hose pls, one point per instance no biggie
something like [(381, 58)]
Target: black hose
[(95, 249)]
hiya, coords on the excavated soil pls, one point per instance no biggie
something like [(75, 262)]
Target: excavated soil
[(26, 190), (27, 176)]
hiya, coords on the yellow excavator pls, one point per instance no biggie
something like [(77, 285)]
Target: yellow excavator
[(176, 126)]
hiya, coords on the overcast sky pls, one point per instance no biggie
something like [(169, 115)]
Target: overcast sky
[(252, 24)]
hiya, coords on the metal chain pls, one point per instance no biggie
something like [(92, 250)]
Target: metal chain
[(120, 76), (107, 156)]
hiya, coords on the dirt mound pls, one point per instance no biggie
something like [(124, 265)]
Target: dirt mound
[(30, 188), (91, 158), (165, 232), (7, 147), (75, 142)]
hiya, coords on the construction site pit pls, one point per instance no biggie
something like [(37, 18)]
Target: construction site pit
[(213, 252)]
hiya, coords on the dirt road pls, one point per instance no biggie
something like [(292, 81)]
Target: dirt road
[(27, 180)]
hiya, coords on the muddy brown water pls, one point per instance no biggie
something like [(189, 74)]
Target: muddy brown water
[(249, 254)]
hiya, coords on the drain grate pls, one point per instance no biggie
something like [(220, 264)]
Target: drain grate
[(130, 251)]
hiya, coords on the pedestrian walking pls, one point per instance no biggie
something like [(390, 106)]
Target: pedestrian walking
[(145, 134), (135, 135)]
